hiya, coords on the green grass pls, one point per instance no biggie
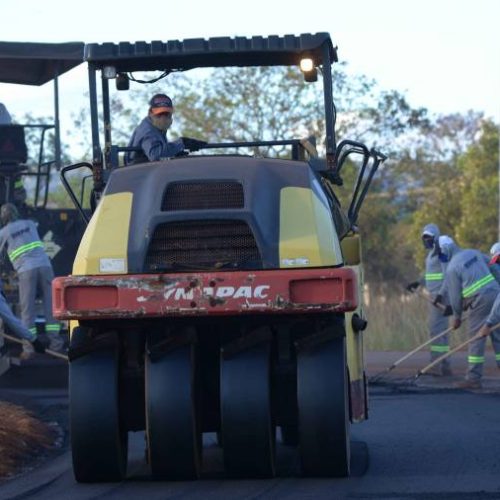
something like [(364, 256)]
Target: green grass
[(399, 323)]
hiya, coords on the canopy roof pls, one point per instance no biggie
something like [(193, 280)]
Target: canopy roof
[(29, 63), (212, 52)]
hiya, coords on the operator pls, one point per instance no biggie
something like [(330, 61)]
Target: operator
[(433, 281), (151, 134), (470, 285), (34, 270)]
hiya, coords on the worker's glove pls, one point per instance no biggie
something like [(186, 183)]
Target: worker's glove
[(193, 144), (456, 323), (448, 311), (438, 299), (484, 331), (39, 346), (411, 287)]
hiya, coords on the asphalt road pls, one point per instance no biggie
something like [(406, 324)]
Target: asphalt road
[(424, 441)]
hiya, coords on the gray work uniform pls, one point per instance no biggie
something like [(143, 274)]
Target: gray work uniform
[(34, 270), (433, 281), (153, 143), (471, 285)]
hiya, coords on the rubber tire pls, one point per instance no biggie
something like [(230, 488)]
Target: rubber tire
[(172, 427), (323, 400), (99, 446), (247, 427)]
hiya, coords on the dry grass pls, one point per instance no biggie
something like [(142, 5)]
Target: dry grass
[(22, 438), (399, 323)]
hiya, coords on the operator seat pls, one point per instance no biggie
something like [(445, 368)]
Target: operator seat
[(13, 157), (13, 150)]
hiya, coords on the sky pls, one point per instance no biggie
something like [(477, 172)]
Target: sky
[(442, 54)]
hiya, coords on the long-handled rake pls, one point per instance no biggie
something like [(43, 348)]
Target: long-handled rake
[(50, 352), (396, 363), (452, 351)]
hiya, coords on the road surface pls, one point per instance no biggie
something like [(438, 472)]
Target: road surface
[(422, 441)]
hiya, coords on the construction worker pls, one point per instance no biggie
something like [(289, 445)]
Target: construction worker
[(495, 260), (28, 257), (433, 281), (151, 134), (495, 249), (470, 285), (31, 342)]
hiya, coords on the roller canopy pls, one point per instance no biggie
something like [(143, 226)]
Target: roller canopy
[(212, 52), (28, 63)]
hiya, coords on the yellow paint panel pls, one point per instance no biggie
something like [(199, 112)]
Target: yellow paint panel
[(307, 233), (106, 236)]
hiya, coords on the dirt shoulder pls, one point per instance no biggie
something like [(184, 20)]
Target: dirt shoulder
[(33, 415)]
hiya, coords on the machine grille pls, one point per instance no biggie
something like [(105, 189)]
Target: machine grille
[(203, 244), (202, 195)]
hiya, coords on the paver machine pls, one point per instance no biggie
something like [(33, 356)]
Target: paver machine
[(216, 293), (29, 156)]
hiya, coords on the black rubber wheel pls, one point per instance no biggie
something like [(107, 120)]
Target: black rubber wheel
[(172, 427), (98, 442), (290, 434), (247, 427), (323, 400)]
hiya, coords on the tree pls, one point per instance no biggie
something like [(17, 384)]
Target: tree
[(439, 184), (478, 225)]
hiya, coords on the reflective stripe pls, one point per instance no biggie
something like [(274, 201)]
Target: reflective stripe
[(497, 357), (476, 360), (24, 248), (440, 348), (33, 330), (434, 276), (472, 289), (53, 327)]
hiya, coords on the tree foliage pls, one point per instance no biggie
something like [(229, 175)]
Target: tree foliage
[(478, 225)]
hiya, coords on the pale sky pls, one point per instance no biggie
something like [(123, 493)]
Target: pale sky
[(443, 54)]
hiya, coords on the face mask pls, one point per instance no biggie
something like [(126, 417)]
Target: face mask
[(162, 123), (428, 243), (495, 259)]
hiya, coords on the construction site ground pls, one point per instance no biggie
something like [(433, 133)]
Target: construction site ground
[(33, 401)]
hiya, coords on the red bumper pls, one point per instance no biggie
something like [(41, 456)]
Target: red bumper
[(203, 294)]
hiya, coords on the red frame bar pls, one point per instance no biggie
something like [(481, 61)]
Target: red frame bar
[(205, 293)]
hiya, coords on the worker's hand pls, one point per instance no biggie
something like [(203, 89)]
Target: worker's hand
[(193, 144), (485, 330), (438, 299), (456, 323), (448, 311), (411, 287), (39, 346)]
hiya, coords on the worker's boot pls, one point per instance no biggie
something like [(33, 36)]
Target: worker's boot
[(56, 341), (28, 350), (469, 384)]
